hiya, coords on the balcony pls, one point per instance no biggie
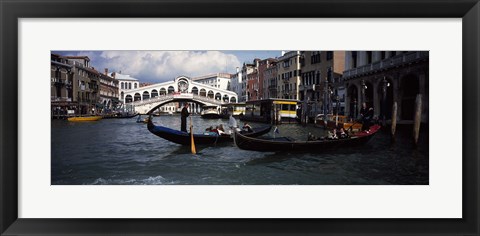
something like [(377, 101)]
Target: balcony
[(60, 99), (386, 64)]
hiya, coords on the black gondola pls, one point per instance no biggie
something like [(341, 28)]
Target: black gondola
[(183, 138), (119, 116), (287, 144)]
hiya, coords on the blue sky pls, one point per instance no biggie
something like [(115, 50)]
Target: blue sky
[(160, 66)]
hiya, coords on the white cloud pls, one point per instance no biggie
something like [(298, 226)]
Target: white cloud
[(157, 66)]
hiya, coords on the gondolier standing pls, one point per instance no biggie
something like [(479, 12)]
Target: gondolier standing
[(366, 115), (184, 118)]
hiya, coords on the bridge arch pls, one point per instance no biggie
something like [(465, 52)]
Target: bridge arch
[(225, 98), (218, 96), (163, 91), (195, 90), (171, 89), (128, 99), (203, 92), (137, 97), (233, 100), (154, 93), (210, 94), (145, 95)]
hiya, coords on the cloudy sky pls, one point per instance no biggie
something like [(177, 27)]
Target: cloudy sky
[(159, 66)]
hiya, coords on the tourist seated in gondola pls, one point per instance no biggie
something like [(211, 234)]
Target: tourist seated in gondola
[(332, 134), (311, 137), (342, 134), (221, 130), (247, 128), (210, 131)]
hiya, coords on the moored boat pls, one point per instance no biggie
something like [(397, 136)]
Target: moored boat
[(288, 144), (183, 138), (84, 118), (119, 116), (210, 112), (144, 120)]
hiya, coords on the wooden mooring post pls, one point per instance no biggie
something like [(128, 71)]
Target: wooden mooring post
[(394, 120), (417, 118)]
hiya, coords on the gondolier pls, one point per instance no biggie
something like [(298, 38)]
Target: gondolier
[(185, 114), (366, 115)]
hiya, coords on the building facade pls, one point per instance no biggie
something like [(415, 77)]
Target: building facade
[(270, 80), (380, 78), (109, 93), (321, 81), (241, 83), (219, 80), (61, 86), (289, 74), (236, 83), (86, 85)]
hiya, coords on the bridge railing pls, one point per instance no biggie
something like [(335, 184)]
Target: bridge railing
[(163, 98)]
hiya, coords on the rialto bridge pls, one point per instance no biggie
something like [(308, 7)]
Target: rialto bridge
[(182, 89)]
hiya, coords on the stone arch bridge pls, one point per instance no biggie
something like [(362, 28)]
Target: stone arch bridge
[(183, 89)]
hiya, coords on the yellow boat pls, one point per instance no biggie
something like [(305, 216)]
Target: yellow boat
[(84, 118)]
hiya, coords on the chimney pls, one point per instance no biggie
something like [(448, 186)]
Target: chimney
[(106, 71), (113, 75)]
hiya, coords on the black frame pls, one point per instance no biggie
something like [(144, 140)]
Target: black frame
[(11, 10)]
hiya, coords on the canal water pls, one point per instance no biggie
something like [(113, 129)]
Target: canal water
[(123, 152)]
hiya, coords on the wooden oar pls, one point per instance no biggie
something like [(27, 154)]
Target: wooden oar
[(194, 151), (352, 125)]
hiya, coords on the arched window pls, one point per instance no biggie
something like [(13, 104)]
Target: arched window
[(129, 85), (135, 85), (122, 85)]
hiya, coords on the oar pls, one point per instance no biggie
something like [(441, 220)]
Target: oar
[(352, 125), (194, 151)]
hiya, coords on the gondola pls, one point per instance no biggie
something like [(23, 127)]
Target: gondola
[(288, 144), (183, 138), (119, 116)]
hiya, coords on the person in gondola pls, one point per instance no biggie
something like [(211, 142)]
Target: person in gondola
[(366, 116), (247, 128), (342, 134), (184, 115), (334, 134), (220, 129)]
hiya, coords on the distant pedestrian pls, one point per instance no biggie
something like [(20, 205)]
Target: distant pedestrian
[(184, 114)]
